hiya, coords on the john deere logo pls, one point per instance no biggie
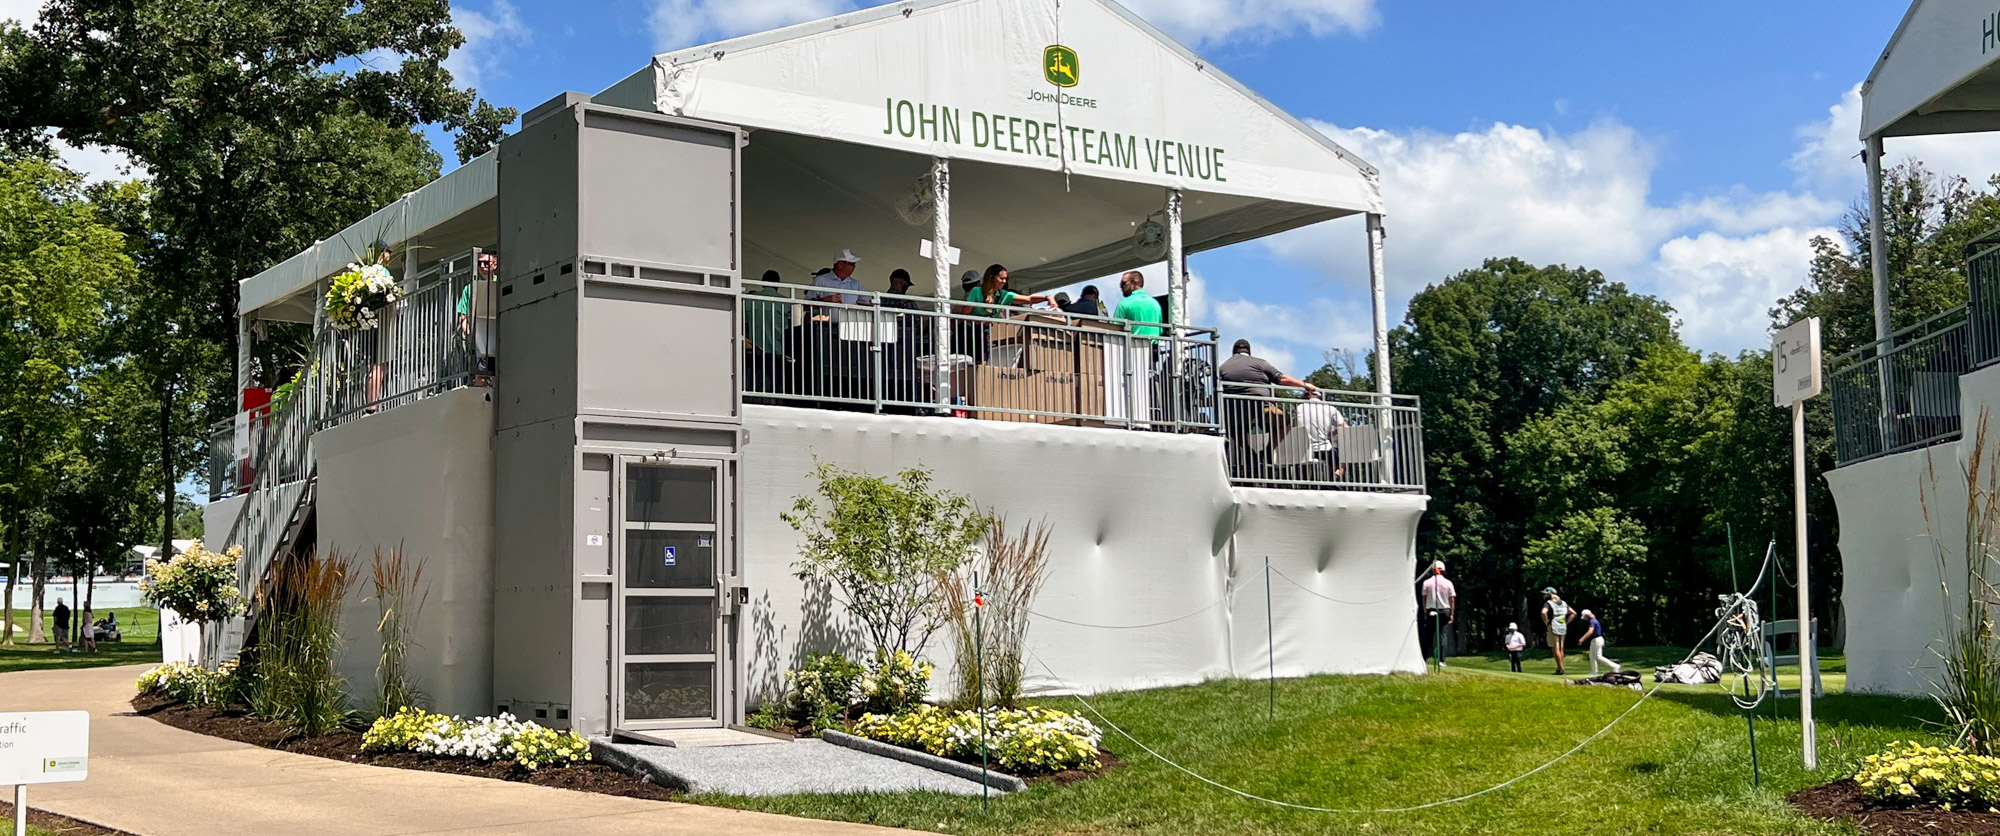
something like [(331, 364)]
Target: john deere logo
[(1059, 66)]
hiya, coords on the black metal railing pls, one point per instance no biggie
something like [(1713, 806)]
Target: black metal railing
[(1901, 393), (878, 352), (1332, 440)]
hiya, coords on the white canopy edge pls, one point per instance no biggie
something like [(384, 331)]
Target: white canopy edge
[(454, 194), (1939, 73), (786, 101)]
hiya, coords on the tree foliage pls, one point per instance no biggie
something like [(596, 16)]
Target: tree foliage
[(884, 544)]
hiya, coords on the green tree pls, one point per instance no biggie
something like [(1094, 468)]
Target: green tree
[(1929, 218), (1590, 556), (59, 268), (1488, 350), (884, 545), (261, 125)]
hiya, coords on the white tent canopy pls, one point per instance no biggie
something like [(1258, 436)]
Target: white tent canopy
[(1054, 164), (1050, 180), (1939, 74)]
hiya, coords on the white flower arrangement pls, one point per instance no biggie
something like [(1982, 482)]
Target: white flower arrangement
[(482, 738), (356, 297)]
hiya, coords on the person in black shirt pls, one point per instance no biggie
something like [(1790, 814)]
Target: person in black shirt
[(1253, 377), (1088, 303), (62, 624)]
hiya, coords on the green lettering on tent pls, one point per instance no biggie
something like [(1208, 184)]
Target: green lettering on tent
[(1054, 136), (951, 126), (1034, 130), (979, 129), (1128, 153), (1218, 167), (888, 116)]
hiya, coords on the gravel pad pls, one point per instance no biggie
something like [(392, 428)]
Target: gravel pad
[(797, 768)]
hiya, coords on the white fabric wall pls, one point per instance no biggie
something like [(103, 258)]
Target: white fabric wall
[(420, 477), (1897, 566), (1145, 530), (1891, 589)]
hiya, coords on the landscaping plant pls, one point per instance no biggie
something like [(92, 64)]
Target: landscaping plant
[(1968, 686), (193, 684), (530, 745), (1950, 777), (396, 581), (1026, 741), (199, 585), (896, 682), (883, 545), (820, 691), (298, 627), (1010, 574)]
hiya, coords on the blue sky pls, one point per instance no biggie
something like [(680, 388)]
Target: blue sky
[(1690, 150)]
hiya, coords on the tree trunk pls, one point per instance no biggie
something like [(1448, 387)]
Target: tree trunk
[(13, 576), (75, 614), (41, 576), (89, 628)]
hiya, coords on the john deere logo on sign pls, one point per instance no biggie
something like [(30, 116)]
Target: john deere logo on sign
[(1059, 66)]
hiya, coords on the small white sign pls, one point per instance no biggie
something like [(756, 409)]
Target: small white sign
[(593, 540), (1795, 369), (44, 747), (951, 254)]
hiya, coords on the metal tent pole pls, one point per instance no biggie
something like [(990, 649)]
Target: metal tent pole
[(1377, 287), (1177, 302), (941, 267), (1878, 263)]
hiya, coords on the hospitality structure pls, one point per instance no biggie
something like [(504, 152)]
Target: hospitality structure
[(588, 410)]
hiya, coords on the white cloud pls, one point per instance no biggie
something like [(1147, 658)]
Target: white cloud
[(1828, 157), (26, 12), (1723, 287), (488, 37), (1583, 198), (98, 163), (1201, 22)]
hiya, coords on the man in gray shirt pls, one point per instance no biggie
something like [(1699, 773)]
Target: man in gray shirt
[(1252, 376)]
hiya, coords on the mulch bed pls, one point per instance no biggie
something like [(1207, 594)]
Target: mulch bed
[(52, 822), (235, 724), (1105, 763), (1843, 801)]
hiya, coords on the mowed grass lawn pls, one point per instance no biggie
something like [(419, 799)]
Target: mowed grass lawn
[(140, 626), (1679, 764)]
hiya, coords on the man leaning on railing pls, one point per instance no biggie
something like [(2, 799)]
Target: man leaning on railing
[(1251, 376)]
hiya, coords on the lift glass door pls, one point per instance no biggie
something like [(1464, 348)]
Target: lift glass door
[(669, 637)]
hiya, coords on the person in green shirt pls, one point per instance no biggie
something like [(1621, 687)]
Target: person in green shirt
[(993, 288), (764, 324), (1138, 307)]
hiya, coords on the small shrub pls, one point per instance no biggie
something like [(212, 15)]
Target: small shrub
[(823, 689), (536, 746), (896, 683), (1949, 777), (194, 685), (529, 745), (198, 585), (1026, 741), (769, 717), (404, 730), (297, 684)]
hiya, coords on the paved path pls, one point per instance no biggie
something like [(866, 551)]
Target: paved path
[(152, 779)]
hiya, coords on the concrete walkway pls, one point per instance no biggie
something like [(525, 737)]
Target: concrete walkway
[(155, 780)]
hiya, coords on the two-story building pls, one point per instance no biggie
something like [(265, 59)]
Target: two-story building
[(589, 409)]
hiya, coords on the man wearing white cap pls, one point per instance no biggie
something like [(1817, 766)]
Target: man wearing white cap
[(1441, 604), (842, 278)]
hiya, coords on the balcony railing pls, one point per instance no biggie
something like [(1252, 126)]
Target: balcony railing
[(438, 337), (1906, 396), (1982, 272), (879, 353), (1346, 440)]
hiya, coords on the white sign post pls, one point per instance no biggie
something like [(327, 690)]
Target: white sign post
[(1795, 376), (42, 747)]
